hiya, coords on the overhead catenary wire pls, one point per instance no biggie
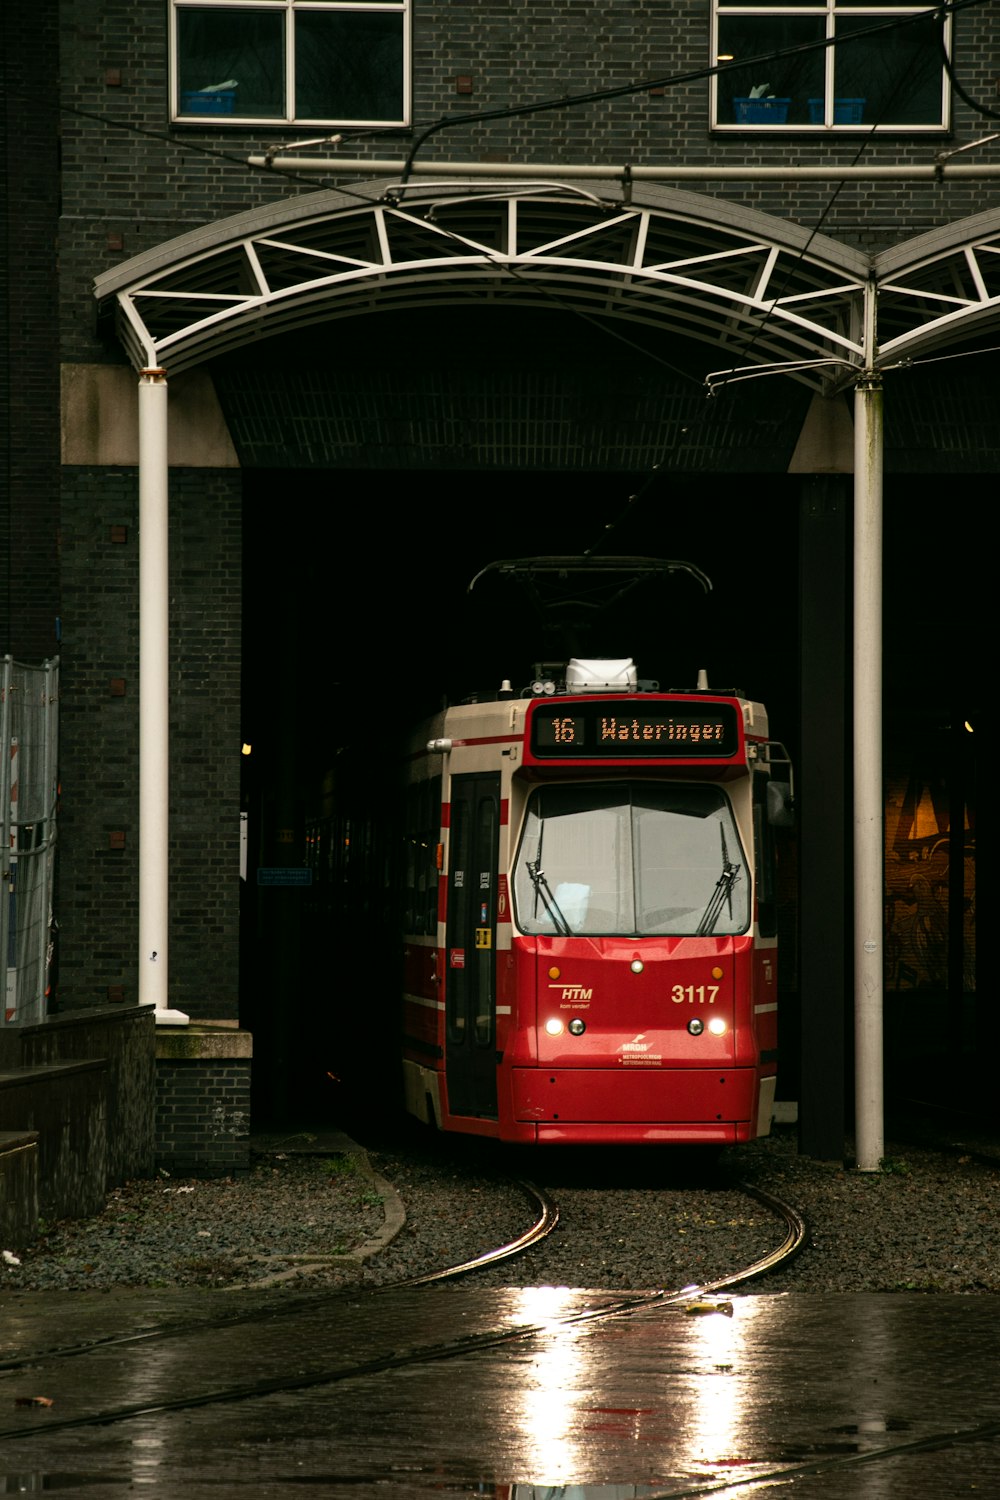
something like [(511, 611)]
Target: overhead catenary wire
[(303, 169), (940, 169), (672, 80), (936, 171)]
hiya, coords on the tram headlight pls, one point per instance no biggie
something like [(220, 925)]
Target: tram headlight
[(717, 1026), (554, 1026), (695, 1026), (577, 1027)]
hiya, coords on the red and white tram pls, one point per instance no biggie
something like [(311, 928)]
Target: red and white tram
[(590, 951)]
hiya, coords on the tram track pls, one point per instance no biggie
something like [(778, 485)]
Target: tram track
[(548, 1216), (796, 1233), (691, 1297), (498, 1337)]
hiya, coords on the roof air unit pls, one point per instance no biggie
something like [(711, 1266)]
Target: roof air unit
[(613, 676)]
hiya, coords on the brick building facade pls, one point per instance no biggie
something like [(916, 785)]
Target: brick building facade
[(106, 158)]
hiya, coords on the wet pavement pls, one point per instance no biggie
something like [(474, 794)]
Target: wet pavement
[(516, 1394)]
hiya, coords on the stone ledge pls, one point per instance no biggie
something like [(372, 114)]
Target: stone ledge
[(44, 1072), (203, 1042), (65, 1020), (18, 1188), (13, 1140)]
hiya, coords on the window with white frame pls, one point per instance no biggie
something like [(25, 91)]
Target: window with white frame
[(314, 62), (884, 67)]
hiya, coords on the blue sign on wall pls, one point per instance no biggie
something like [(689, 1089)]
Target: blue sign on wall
[(290, 875)]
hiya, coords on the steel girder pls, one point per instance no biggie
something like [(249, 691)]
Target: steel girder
[(760, 290)]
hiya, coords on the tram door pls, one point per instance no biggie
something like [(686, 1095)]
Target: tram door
[(470, 993)]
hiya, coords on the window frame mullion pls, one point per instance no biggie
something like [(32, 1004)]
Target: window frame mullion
[(289, 116), (760, 10), (290, 98)]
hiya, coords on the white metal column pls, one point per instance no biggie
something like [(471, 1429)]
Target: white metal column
[(869, 948), (154, 698)]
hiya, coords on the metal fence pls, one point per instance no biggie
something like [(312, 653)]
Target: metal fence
[(29, 743)]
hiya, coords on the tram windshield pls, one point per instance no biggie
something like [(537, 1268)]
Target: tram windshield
[(630, 859)]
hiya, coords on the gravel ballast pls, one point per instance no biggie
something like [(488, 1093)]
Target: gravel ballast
[(407, 1205)]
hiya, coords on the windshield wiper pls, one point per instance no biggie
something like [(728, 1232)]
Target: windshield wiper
[(549, 901), (723, 891)]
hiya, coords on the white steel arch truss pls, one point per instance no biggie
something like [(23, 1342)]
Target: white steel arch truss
[(757, 288), (762, 291), (941, 289)]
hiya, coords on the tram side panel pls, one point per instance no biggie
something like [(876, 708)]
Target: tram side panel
[(456, 995)]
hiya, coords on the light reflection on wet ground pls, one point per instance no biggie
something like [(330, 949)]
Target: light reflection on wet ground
[(833, 1397)]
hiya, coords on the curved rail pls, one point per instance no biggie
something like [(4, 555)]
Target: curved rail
[(794, 1241), (549, 1216), (545, 1223), (542, 1227)]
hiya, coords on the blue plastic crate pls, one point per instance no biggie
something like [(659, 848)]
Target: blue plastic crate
[(761, 111), (217, 102), (845, 111)]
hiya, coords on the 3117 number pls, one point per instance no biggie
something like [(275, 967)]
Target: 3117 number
[(694, 994)]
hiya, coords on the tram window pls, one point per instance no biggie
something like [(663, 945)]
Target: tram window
[(342, 63), (630, 859), (411, 848), (763, 838), (431, 832), (420, 882)]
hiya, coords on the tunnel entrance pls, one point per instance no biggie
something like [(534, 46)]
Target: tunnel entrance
[(448, 395), (359, 622)]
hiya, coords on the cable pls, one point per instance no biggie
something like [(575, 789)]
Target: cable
[(947, 7), (949, 67), (446, 122), (182, 143), (816, 228), (571, 101)]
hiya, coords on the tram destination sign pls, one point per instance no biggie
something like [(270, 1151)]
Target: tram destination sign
[(616, 731)]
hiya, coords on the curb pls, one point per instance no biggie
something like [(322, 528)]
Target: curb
[(393, 1209)]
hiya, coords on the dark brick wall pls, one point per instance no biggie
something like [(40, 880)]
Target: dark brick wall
[(125, 1042), (98, 885), (129, 181), (29, 335), (19, 1210), (203, 1116), (132, 181), (66, 1103)]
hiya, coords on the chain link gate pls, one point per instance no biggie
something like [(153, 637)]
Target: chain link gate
[(29, 721)]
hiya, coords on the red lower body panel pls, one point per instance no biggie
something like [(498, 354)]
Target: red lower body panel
[(594, 1134), (567, 1098)]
